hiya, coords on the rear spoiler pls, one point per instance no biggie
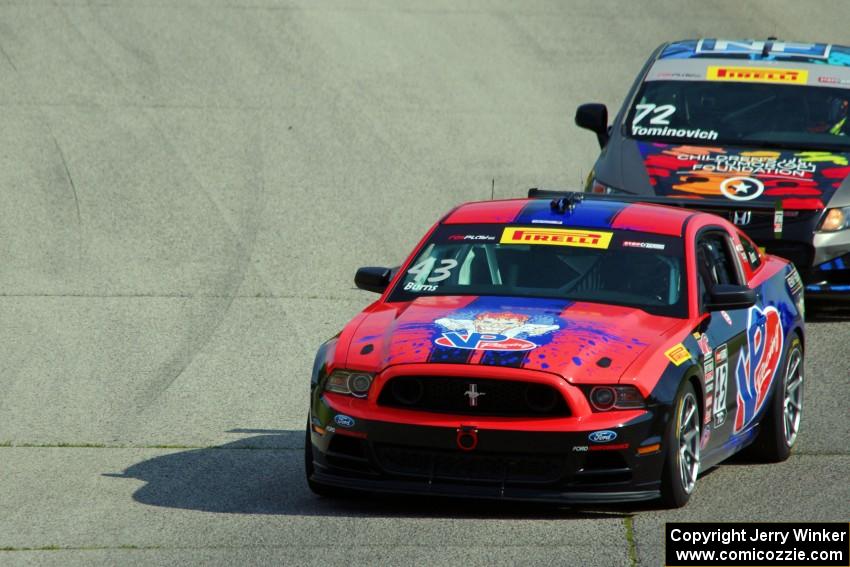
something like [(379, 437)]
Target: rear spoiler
[(565, 199)]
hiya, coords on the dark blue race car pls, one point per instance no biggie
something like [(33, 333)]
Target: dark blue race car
[(754, 130)]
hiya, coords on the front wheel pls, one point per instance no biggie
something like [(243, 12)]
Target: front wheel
[(681, 466), (782, 423)]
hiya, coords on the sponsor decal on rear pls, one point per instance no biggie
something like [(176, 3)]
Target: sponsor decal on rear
[(678, 354), (721, 374), (757, 363), (756, 74), (501, 331), (556, 237)]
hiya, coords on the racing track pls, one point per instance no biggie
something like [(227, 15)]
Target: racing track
[(187, 189)]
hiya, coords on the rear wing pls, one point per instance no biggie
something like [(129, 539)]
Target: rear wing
[(734, 211)]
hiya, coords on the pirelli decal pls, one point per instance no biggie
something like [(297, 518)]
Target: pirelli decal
[(678, 354), (556, 237), (757, 74)]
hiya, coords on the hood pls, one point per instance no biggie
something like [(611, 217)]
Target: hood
[(583, 342), (802, 180)]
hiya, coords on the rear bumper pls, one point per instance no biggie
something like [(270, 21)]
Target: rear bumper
[(559, 466)]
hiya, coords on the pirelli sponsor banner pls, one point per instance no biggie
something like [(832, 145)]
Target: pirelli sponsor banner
[(757, 74), (800, 544), (556, 237), (678, 354)]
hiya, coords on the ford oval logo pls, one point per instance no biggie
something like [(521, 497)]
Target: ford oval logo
[(346, 421), (601, 436)]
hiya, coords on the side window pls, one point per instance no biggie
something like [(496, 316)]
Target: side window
[(716, 262), (750, 251)]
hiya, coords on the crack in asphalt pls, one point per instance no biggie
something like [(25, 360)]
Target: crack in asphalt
[(8, 59), (629, 524), (73, 191)]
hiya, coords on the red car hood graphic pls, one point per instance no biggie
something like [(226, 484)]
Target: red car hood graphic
[(582, 342), (799, 179)]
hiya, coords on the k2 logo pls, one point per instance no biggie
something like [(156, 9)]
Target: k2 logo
[(758, 363)]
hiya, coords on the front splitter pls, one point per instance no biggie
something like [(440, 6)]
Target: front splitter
[(495, 492)]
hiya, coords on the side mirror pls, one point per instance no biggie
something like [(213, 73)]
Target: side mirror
[(728, 297), (373, 279), (594, 117)]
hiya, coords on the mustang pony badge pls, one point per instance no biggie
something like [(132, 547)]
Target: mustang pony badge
[(491, 331)]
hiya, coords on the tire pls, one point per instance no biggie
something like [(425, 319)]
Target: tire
[(317, 488), (781, 424), (681, 466)]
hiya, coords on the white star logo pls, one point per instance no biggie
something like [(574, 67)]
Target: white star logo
[(741, 188)]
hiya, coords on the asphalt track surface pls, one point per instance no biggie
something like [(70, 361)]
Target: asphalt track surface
[(187, 189)]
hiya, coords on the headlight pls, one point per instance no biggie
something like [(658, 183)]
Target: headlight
[(604, 398), (349, 382), (836, 219), (595, 186)]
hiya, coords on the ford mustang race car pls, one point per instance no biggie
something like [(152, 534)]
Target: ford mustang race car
[(571, 350), (756, 131)]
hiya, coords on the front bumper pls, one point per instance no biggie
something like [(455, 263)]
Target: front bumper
[(829, 280), (545, 464), (823, 259)]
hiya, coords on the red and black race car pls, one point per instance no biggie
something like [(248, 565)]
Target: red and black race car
[(572, 350)]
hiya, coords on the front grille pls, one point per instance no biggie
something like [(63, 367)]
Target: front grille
[(473, 396), (760, 221), (348, 453), (470, 467)]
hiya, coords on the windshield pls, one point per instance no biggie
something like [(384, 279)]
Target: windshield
[(605, 266), (738, 113)]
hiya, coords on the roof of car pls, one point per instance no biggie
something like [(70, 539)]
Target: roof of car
[(757, 50), (587, 213)]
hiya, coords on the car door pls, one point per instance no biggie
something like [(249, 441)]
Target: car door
[(721, 337)]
